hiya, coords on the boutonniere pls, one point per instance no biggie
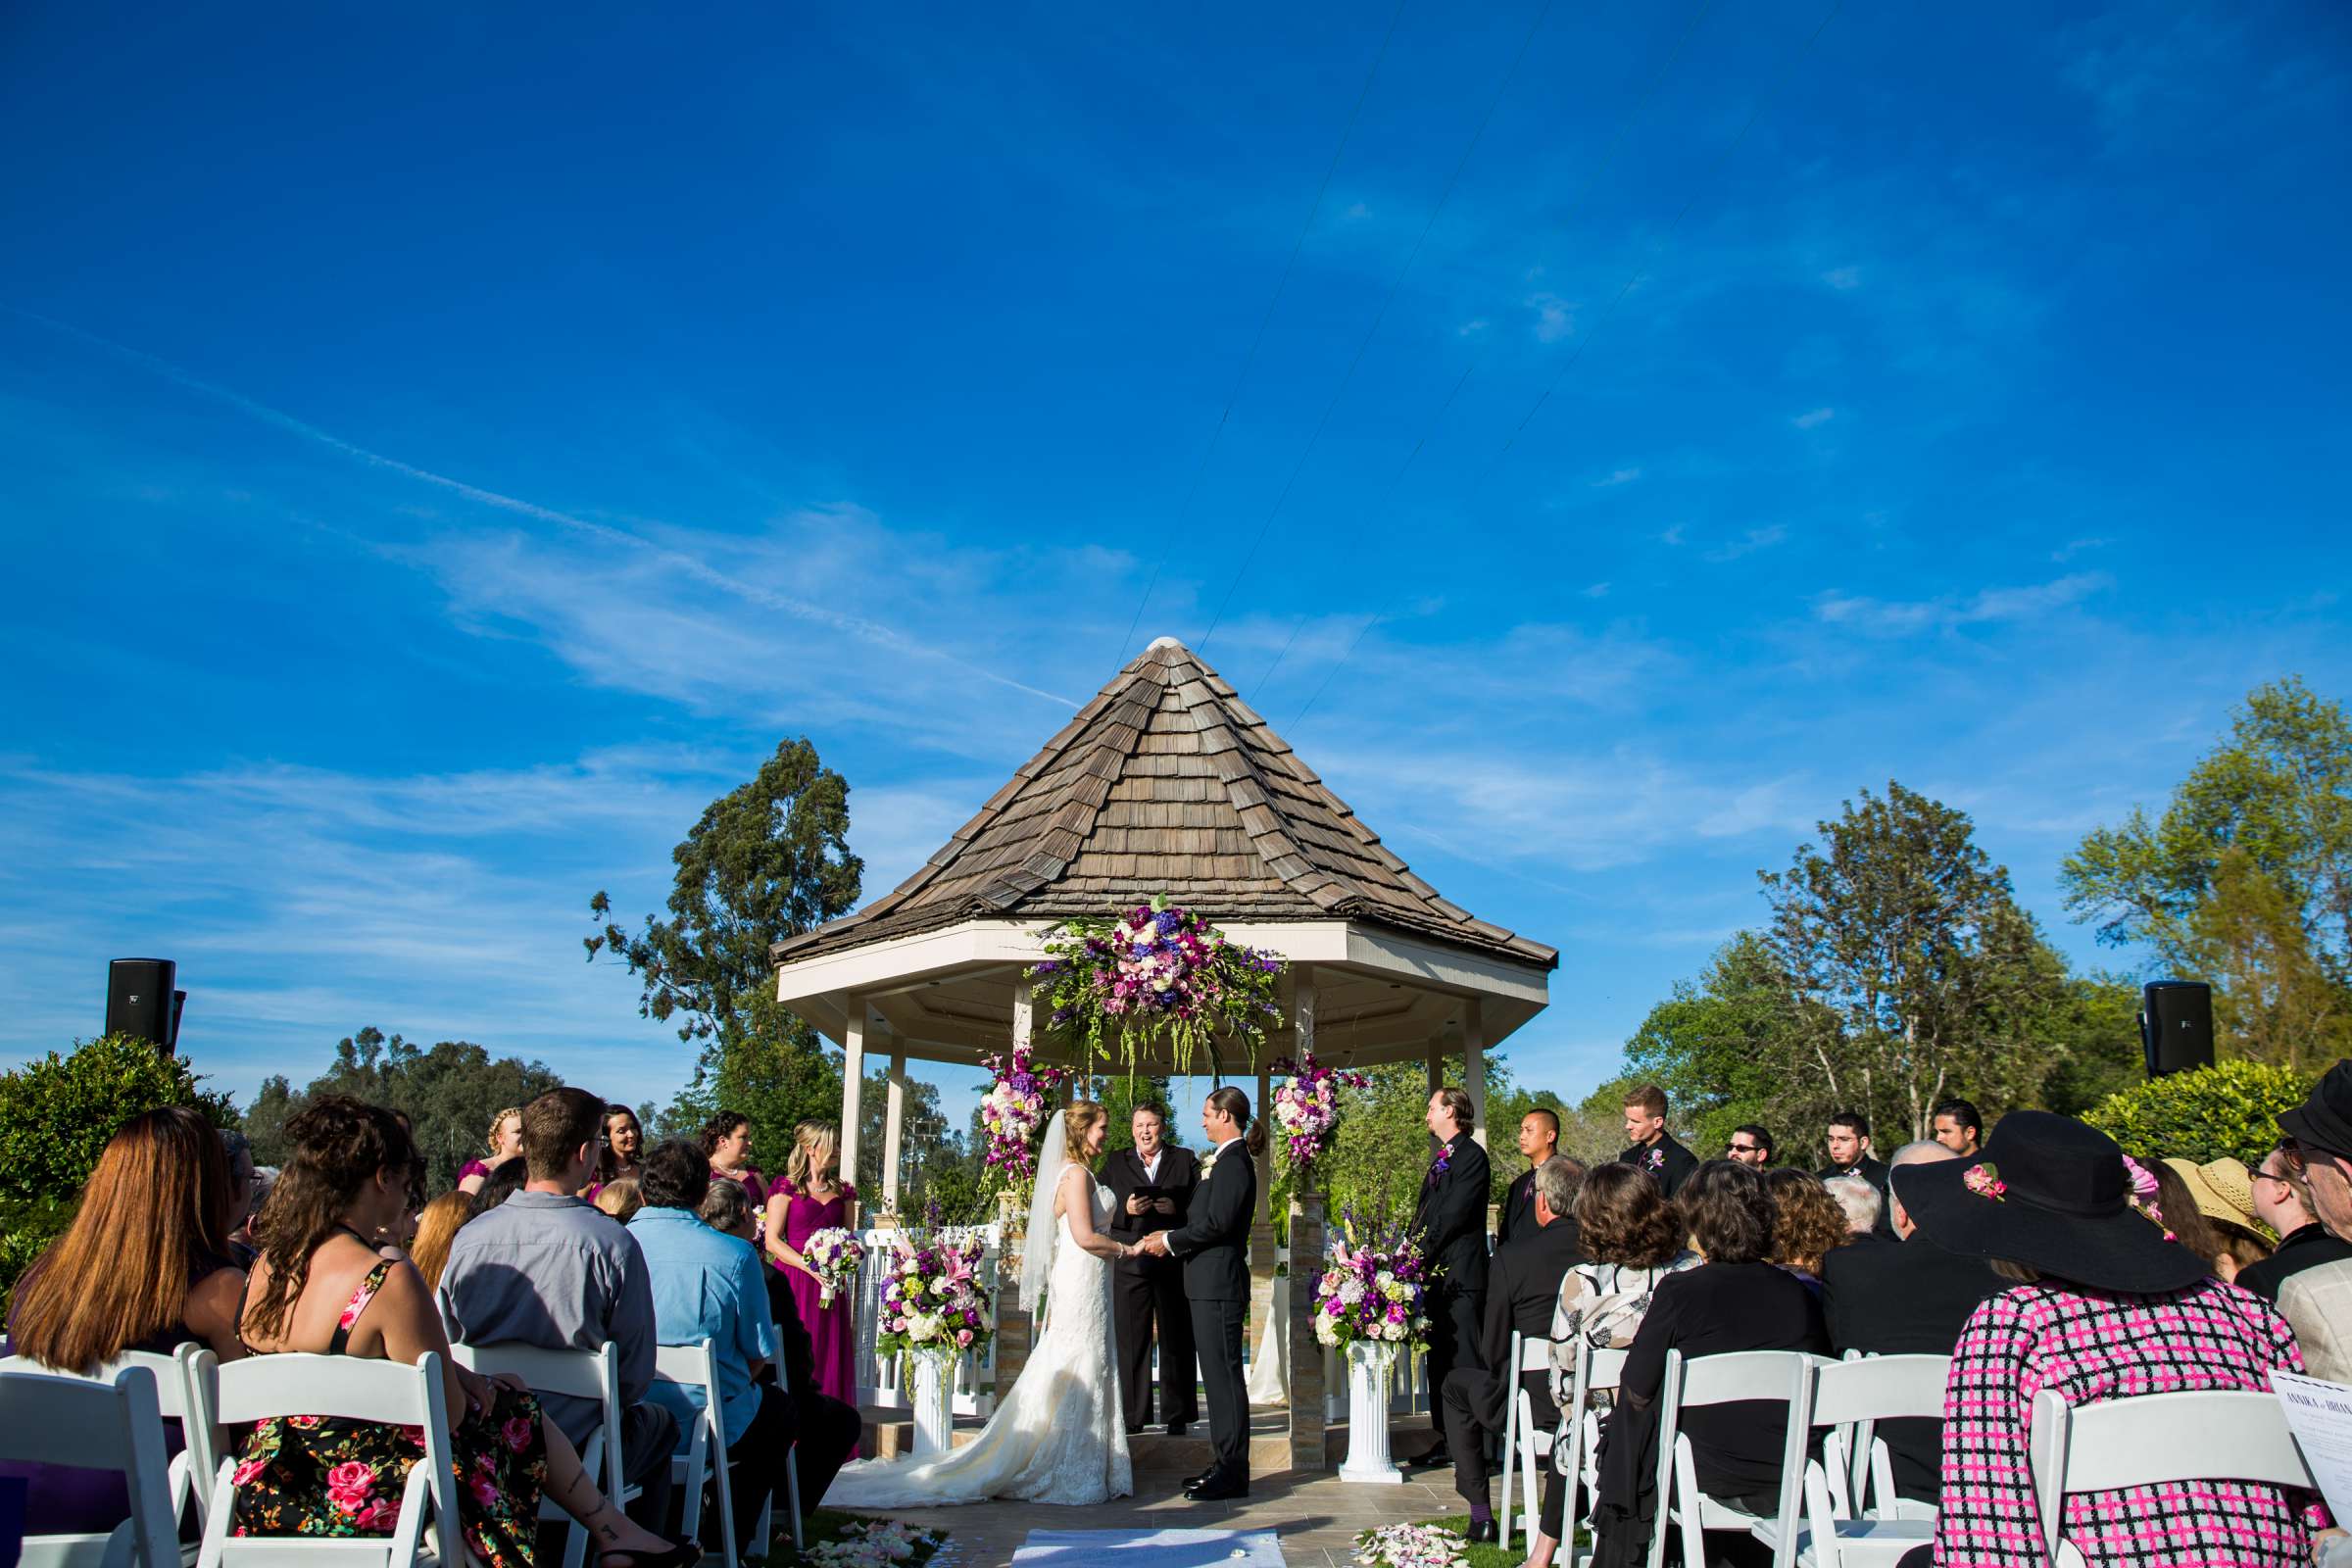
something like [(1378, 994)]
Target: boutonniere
[(1209, 1164), (1442, 1163), (1654, 1160)]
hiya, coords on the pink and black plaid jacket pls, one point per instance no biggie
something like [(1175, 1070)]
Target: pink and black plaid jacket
[(2093, 1347)]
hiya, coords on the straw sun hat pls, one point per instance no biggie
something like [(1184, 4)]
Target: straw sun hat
[(2225, 1193)]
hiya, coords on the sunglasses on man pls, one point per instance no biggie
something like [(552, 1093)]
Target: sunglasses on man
[(1745, 1149)]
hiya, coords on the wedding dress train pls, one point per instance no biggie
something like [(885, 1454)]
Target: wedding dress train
[(1057, 1435)]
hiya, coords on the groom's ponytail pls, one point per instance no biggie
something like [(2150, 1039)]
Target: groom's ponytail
[(1232, 1102)]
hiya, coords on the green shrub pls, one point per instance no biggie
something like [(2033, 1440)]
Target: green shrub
[(2230, 1109)]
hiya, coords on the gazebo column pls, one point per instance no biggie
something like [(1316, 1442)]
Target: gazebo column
[(1303, 1352), (1261, 1228), (894, 1126), (1473, 1065), (853, 1083), (1015, 1330)]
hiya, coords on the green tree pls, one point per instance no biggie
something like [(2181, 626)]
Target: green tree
[(2278, 789), (449, 1094), (1733, 1047), (1901, 930), (2273, 999), (768, 860), (1120, 1094), (2092, 1033)]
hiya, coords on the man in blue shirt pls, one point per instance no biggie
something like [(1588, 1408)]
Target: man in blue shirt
[(710, 1286)]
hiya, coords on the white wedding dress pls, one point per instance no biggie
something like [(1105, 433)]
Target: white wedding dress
[(1057, 1435)]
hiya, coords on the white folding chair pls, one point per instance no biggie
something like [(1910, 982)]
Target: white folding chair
[(2210, 1434), (337, 1387), (580, 1375), (170, 1374), (705, 1456), (116, 1425), (1688, 1385), (1595, 1370), (1852, 1395)]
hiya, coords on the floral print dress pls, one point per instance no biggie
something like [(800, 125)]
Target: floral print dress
[(307, 1475)]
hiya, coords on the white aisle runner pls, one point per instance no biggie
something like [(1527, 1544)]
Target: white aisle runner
[(1161, 1549)]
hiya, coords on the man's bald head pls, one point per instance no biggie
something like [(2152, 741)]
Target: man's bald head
[(1927, 1152)]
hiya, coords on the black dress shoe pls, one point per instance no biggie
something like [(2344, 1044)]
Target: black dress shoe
[(1176, 1429), (1209, 1474), (1135, 1432), (1218, 1489), (1425, 1459), (1483, 1532)]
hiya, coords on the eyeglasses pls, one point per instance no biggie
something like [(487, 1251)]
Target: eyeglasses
[(1746, 1149), (2267, 1176)]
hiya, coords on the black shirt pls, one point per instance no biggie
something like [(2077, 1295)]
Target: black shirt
[(1669, 1161), (1710, 1310), (2305, 1246)]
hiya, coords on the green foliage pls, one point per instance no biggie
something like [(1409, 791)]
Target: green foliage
[(1732, 1048), (2092, 1032), (1120, 1094), (766, 861), (56, 1112), (2230, 1109), (447, 1093), (1912, 971), (1381, 1149)]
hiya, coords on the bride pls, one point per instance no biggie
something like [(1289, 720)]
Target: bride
[(1057, 1435)]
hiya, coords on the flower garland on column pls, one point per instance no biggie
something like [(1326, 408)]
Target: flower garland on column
[(1013, 1110), (1156, 974), (1306, 1109)]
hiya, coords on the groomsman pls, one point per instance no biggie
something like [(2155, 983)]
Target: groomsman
[(1449, 1218), (1539, 1141), (1152, 1185)]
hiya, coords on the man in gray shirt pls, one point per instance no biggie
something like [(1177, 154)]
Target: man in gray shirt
[(546, 1269)]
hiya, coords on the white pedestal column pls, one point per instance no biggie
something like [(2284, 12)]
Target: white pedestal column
[(934, 1403), (1368, 1368)]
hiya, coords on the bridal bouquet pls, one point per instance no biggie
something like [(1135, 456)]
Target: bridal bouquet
[(1307, 1108), (833, 1255), (1373, 1295), (933, 1299), (1156, 972), (1014, 1109)]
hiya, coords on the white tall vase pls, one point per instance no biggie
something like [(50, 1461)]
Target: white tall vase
[(934, 1403), (1368, 1368)]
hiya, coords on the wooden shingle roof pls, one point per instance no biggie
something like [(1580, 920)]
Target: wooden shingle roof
[(1167, 782)]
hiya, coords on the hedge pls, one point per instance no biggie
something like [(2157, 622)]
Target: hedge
[(2230, 1109)]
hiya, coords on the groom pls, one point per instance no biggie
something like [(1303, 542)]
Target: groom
[(1217, 1280)]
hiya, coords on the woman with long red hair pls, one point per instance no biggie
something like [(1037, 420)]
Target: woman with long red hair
[(145, 1266)]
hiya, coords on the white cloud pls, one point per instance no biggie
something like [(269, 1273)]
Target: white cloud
[(1896, 618), (1672, 535), (1843, 278), (1556, 317), (1471, 329), (1617, 477), (2075, 547), (1814, 416), (1748, 543), (1359, 210)]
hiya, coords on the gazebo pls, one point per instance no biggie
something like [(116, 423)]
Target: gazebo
[(1168, 783)]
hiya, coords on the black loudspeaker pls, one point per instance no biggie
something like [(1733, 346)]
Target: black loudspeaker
[(140, 1000), (2175, 1025)]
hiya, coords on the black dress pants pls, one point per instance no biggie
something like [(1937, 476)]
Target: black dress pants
[(1144, 1299), (648, 1435), (1454, 1323), (821, 1431), (1217, 1337), (1471, 1405)]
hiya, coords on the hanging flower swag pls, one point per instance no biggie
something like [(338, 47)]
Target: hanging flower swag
[(1013, 1110), (1156, 974), (1306, 1109)]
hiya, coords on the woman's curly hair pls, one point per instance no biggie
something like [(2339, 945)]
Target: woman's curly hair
[(340, 1144), (1807, 1223)]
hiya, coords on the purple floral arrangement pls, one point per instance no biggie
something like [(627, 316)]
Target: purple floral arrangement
[(1156, 972), (1307, 1108), (934, 1300), (1014, 1109), (1375, 1294)]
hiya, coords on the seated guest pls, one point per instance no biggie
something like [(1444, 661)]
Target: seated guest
[(1863, 1204), (1632, 1239), (2318, 1302), (1750, 1145), (1807, 1224), (727, 1209), (619, 1198), (245, 1191), (544, 1268), (506, 1179), (436, 1228), (2282, 1201), (2222, 1191), (319, 1288), (145, 1266), (710, 1286), (2105, 1308), (504, 1143), (1904, 1297), (1523, 1289), (1733, 1301)]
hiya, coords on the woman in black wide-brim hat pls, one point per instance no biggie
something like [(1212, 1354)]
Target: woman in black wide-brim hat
[(2107, 1306)]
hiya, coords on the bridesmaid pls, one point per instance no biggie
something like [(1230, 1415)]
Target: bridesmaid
[(812, 1197), (727, 1140), (621, 1160), (505, 1143)]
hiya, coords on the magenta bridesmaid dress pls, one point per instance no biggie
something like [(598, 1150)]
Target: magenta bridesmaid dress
[(832, 1335)]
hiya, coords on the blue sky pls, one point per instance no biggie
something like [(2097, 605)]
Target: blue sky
[(438, 453)]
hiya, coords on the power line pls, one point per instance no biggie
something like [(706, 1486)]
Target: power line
[(1373, 331), (1478, 359), (1763, 101), (1266, 320)]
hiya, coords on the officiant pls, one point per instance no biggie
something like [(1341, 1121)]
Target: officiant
[(1152, 1186)]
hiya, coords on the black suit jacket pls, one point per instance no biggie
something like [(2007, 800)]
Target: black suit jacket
[(1179, 1180), (1872, 1171), (1450, 1215), (1674, 1163), (1518, 1209), (1213, 1242), (1903, 1298), (1522, 1287)]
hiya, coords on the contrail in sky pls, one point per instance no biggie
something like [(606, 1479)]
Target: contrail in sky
[(701, 572)]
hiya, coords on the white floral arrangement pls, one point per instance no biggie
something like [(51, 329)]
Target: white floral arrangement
[(834, 1257), (1411, 1547), (872, 1544)]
